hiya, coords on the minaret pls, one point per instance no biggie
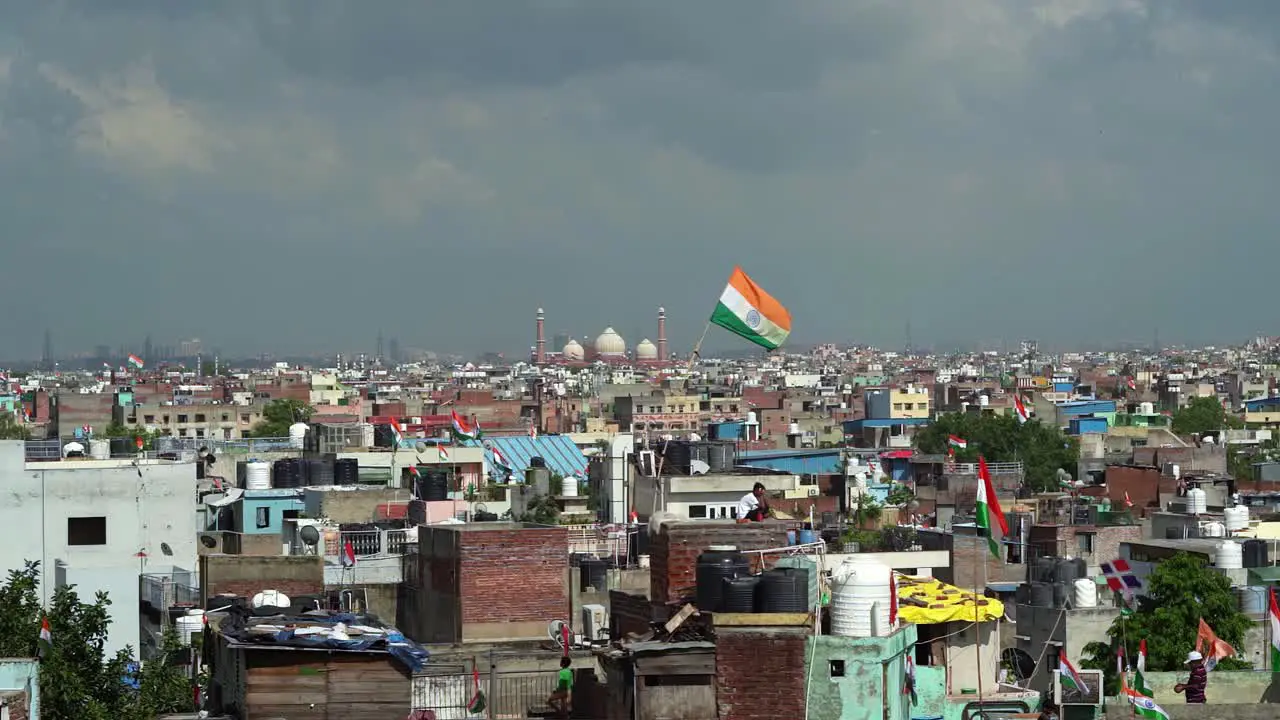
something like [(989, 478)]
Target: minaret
[(662, 335), (540, 354)]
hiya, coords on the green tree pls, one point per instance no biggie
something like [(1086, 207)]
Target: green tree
[(278, 415), (1179, 592), (542, 510), (11, 429), (117, 430), (1203, 415), (1042, 449), (899, 494), (77, 678)]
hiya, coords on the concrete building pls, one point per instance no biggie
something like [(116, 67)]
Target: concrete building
[(98, 524)]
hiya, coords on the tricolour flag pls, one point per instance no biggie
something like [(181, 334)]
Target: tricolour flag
[(136, 362), (533, 432), (909, 682), (1143, 705), (1274, 614), (498, 458), (397, 433), (956, 441), (749, 312), (444, 453), (462, 428), (348, 555), (989, 515), (1070, 676), (1020, 409)]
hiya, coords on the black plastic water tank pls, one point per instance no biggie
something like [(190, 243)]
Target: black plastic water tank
[(319, 472), (738, 595), (676, 456), (721, 456), (783, 590), (383, 436), (714, 565), (1065, 571), (285, 473), (432, 486), (346, 471), (1062, 595), (1041, 594), (1042, 570), (121, 447), (1255, 554), (594, 572), (1022, 595)]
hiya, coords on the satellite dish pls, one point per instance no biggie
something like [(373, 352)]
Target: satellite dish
[(208, 541), (309, 535), (166, 550), (556, 630), (420, 447), (698, 467), (273, 598), (1024, 666)]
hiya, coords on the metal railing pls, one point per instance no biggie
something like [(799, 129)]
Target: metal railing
[(599, 540), (367, 543), (1004, 468), (161, 448), (447, 691), (169, 590)]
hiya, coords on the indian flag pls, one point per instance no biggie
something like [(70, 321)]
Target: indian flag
[(1020, 409), (989, 514), (444, 453), (1140, 682), (749, 312), (956, 441), (46, 637), (136, 362), (462, 428), (1070, 676), (1143, 706), (498, 458), (397, 432), (1274, 615)]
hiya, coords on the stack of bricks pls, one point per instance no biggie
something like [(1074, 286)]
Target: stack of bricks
[(760, 673), (673, 554)]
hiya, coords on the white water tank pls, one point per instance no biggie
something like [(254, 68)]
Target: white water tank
[(569, 486), (1086, 593), (257, 475), (100, 449), (1213, 530), (1146, 408), (984, 400), (751, 418), (297, 435), (366, 435), (1197, 502), (272, 598), (858, 587), (1230, 556), (1237, 518), (793, 429), (189, 624)]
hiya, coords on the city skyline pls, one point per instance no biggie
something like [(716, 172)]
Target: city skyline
[(251, 175)]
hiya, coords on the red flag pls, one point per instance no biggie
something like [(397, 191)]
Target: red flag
[(893, 599), (1127, 502), (348, 555)]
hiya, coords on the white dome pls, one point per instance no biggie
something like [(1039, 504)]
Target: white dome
[(610, 343), (573, 351), (646, 350)]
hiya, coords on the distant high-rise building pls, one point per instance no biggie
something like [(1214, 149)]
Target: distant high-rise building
[(46, 357), (393, 350), (189, 348), (147, 354)]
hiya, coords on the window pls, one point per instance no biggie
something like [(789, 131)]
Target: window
[(225, 417), (199, 417), (837, 668), (897, 406), (697, 512), (1084, 542), (263, 517), (244, 417), (182, 418), (149, 419), (87, 531)]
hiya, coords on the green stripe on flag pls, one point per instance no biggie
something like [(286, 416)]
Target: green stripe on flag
[(727, 319)]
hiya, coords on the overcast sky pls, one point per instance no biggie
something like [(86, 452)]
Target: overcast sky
[(296, 175)]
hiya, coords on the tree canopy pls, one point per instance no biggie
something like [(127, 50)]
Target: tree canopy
[(278, 415), (11, 429), (1203, 415), (1179, 592), (77, 678), (1042, 449)]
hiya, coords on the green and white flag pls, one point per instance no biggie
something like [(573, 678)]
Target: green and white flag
[(989, 515)]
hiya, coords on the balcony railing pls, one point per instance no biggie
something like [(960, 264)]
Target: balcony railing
[(160, 448), (1005, 468), (510, 694), (164, 591), (369, 543)]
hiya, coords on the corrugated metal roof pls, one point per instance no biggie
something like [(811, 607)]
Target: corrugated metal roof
[(562, 455)]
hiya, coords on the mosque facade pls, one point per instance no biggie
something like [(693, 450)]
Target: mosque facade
[(609, 347)]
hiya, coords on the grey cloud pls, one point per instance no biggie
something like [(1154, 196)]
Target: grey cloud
[(439, 169)]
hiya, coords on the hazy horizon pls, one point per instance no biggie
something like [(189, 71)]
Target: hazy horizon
[(296, 176)]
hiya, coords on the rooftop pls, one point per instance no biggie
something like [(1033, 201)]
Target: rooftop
[(317, 630)]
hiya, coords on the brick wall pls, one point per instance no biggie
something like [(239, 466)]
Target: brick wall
[(673, 554), (1142, 483), (971, 557), (245, 576), (629, 613), (511, 575), (17, 704), (760, 674)]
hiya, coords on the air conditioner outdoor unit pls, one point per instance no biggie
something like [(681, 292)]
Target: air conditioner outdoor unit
[(813, 492), (595, 623)]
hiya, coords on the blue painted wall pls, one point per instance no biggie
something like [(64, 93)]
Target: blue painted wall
[(877, 404), (275, 502), (1079, 425), (799, 463), (22, 674), (1087, 407)]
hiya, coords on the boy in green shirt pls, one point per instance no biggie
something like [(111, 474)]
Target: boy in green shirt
[(560, 699)]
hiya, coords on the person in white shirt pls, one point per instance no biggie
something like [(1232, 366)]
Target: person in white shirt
[(753, 507)]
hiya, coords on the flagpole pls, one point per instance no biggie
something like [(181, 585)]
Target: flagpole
[(977, 614), (697, 347)]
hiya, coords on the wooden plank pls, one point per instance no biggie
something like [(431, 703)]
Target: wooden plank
[(676, 621), (367, 711), (761, 619), (284, 697), (701, 664)]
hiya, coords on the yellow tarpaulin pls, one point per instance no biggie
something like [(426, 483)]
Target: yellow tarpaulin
[(925, 601)]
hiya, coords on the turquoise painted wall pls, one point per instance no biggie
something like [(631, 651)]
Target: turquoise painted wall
[(246, 511), (22, 674), (872, 679)]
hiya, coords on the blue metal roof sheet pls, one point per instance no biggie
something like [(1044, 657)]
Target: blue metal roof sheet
[(562, 455)]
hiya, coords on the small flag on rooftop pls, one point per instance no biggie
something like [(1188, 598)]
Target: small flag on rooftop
[(136, 362)]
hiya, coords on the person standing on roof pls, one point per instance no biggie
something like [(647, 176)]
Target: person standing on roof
[(754, 506), (1196, 683)]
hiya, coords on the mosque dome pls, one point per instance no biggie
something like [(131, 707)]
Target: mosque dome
[(610, 343), (646, 350), (573, 351)]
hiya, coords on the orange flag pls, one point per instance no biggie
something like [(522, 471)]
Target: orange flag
[(1211, 647)]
